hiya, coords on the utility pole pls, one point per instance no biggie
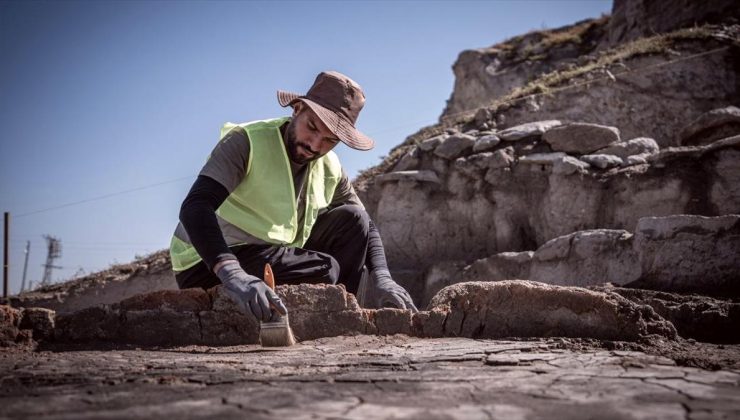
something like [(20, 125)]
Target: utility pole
[(54, 250), (5, 255), (25, 266)]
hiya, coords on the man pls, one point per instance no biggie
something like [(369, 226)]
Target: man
[(273, 192)]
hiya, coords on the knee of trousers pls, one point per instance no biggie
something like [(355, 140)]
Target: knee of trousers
[(355, 216), (332, 273)]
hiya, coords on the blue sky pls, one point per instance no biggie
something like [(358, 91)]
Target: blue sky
[(99, 98)]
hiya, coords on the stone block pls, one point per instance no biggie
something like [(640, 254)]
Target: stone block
[(517, 308), (569, 165), (501, 266), (314, 297), (389, 321), (431, 143), (10, 319), (408, 161), (40, 321), (310, 325), (429, 324), (409, 176), (638, 146), (454, 146), (96, 323), (542, 158), (602, 161), (532, 129), (222, 328), (590, 257), (186, 300), (686, 253), (159, 327), (580, 138), (485, 143)]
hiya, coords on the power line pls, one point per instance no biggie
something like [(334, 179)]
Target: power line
[(74, 203)]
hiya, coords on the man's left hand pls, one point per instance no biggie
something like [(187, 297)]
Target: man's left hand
[(388, 293)]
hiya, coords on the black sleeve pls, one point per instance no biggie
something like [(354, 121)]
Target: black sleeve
[(375, 258), (198, 217)]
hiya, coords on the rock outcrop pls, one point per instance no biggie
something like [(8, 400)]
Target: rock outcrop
[(633, 19), (639, 86)]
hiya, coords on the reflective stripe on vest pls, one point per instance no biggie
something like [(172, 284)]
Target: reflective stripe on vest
[(264, 203)]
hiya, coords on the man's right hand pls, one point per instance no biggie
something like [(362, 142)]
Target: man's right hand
[(251, 294)]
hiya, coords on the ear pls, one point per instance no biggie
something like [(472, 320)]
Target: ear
[(297, 107)]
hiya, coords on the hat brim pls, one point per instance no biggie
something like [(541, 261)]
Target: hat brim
[(336, 123)]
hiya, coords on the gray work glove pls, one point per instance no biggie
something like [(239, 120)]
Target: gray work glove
[(387, 293), (251, 294)]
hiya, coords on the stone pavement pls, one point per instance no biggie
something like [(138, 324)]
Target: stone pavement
[(365, 377)]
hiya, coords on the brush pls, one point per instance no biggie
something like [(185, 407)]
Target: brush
[(275, 333)]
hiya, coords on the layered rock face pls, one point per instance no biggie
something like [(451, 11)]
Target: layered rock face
[(632, 19), (538, 182), (486, 73), (628, 70)]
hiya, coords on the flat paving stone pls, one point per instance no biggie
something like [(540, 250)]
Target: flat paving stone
[(363, 377)]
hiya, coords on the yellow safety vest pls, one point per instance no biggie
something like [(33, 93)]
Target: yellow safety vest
[(264, 203)]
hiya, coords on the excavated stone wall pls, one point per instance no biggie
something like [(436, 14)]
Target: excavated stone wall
[(482, 309), (513, 308)]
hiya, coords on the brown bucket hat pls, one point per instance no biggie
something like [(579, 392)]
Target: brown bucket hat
[(337, 100)]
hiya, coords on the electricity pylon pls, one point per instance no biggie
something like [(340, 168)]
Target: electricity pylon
[(54, 247)]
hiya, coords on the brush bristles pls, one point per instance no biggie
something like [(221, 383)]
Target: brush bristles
[(276, 334)]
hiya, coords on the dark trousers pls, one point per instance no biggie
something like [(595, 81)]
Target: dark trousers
[(334, 253)]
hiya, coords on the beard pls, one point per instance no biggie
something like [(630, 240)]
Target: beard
[(298, 152)]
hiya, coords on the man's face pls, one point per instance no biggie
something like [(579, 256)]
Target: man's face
[(307, 138)]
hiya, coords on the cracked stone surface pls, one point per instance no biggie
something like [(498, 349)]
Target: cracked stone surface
[(365, 377)]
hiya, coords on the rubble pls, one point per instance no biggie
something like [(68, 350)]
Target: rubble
[(694, 316)]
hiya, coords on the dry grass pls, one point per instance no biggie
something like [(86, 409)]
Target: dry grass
[(535, 45)]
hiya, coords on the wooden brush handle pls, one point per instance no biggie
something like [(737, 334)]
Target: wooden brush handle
[(269, 277)]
